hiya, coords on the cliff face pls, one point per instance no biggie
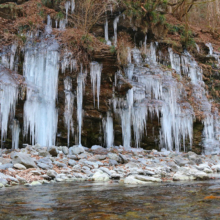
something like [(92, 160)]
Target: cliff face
[(132, 96)]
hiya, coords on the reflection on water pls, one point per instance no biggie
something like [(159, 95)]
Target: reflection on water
[(192, 200)]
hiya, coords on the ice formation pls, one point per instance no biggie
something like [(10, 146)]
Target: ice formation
[(8, 99), (15, 134), (69, 105), (41, 68), (95, 75), (108, 130), (108, 42), (80, 89), (115, 25)]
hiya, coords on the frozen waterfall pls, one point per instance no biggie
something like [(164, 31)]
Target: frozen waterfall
[(95, 75), (41, 68), (69, 104)]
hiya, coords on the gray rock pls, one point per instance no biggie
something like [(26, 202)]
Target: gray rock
[(123, 158), (72, 162), (147, 178), (83, 156), (21, 180), (53, 151), (100, 176), (5, 160), (6, 166), (59, 164), (173, 166), (74, 157), (100, 157), (35, 183), (1, 185), (95, 147), (19, 166), (11, 170), (180, 161), (133, 181), (106, 170), (3, 181), (45, 160), (113, 163), (4, 176), (216, 168), (65, 150), (36, 172), (44, 166), (76, 149), (24, 159), (51, 173), (43, 153), (113, 156)]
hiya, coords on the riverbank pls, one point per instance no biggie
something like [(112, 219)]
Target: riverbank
[(36, 165)]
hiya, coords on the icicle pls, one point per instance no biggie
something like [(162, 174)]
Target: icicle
[(108, 42), (209, 45), (197, 47), (62, 25), (174, 61), (41, 68), (145, 44), (80, 90), (72, 6), (67, 7), (15, 134), (108, 131), (95, 74), (137, 55), (69, 104), (8, 99), (115, 25), (48, 27), (153, 47)]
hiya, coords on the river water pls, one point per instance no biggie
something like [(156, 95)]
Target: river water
[(81, 201)]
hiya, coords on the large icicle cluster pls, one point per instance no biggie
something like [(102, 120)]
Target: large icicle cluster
[(80, 90), (108, 130), (156, 92), (41, 68), (8, 99), (69, 105), (95, 75)]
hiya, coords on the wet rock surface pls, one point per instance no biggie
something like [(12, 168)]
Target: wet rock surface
[(128, 166)]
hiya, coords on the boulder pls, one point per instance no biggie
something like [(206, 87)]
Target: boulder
[(216, 168), (44, 166), (3, 181), (53, 151), (6, 166), (19, 166), (65, 150), (51, 173), (72, 162), (43, 153), (5, 160), (24, 159), (113, 156), (35, 183), (95, 147), (113, 163), (147, 178), (132, 180), (100, 176), (180, 161), (76, 149), (59, 164)]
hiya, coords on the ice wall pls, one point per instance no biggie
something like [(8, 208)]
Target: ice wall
[(41, 68)]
